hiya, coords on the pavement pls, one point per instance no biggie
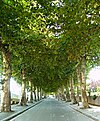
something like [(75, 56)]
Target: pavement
[(92, 112), (16, 110)]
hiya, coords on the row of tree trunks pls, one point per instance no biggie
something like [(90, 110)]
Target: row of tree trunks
[(81, 86), (36, 90), (32, 88), (5, 105), (39, 93)]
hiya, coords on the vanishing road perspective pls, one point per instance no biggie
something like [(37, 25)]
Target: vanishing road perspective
[(51, 110)]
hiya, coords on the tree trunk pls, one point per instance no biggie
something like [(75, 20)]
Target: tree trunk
[(67, 92), (67, 95), (31, 90), (73, 98), (77, 97), (63, 96), (78, 84), (83, 83), (35, 94), (38, 93), (6, 96), (23, 100)]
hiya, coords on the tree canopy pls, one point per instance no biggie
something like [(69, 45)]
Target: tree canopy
[(49, 38)]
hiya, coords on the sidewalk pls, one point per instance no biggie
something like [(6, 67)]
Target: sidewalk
[(16, 110), (92, 112)]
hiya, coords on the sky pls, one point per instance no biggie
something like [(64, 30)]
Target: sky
[(15, 87), (95, 74)]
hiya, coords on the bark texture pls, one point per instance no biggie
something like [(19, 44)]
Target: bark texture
[(38, 96), (6, 96), (73, 98), (67, 95), (83, 83), (35, 93), (23, 100), (31, 90)]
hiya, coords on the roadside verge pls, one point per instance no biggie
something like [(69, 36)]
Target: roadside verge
[(93, 112), (16, 113)]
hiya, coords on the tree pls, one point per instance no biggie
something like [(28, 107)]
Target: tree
[(6, 57), (78, 39)]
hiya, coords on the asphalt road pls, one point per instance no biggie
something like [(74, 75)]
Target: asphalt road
[(51, 110)]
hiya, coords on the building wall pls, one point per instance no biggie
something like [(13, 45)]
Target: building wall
[(94, 100)]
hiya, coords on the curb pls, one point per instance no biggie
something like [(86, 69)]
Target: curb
[(20, 112), (94, 118)]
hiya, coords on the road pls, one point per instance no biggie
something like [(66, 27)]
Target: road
[(51, 110)]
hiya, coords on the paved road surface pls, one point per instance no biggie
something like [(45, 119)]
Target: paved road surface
[(51, 110)]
